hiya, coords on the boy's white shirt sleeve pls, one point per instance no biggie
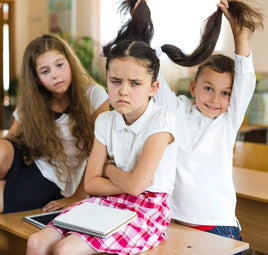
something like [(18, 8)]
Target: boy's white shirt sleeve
[(165, 96), (243, 88)]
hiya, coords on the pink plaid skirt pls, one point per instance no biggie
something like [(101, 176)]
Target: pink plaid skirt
[(143, 233)]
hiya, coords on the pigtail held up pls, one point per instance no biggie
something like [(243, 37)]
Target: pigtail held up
[(206, 47), (244, 15), (140, 28)]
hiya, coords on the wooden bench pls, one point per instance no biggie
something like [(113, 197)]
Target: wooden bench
[(180, 239)]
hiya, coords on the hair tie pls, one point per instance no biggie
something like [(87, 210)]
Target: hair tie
[(158, 51), (113, 46)]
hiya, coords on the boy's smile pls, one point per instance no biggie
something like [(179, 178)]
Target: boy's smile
[(212, 92)]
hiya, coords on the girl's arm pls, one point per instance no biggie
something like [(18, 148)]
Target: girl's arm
[(141, 177), (95, 183)]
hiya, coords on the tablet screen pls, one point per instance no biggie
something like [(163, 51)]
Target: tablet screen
[(41, 220)]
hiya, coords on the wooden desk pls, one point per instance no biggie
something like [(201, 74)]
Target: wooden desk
[(180, 239), (183, 240), (13, 230), (252, 206), (14, 224)]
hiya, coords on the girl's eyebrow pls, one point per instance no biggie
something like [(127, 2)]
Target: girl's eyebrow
[(45, 66), (41, 67), (113, 77)]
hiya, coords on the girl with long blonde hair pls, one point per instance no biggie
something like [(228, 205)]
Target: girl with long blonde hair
[(43, 157)]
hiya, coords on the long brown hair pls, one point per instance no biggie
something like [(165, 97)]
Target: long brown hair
[(38, 134), (140, 28)]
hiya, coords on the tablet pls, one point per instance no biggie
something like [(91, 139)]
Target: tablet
[(42, 219)]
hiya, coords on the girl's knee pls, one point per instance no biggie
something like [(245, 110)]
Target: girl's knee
[(33, 245), (72, 243), (43, 242), (63, 248)]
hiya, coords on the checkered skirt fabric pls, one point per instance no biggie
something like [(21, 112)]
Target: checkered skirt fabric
[(145, 232)]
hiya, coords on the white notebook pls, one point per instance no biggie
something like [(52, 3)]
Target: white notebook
[(94, 219)]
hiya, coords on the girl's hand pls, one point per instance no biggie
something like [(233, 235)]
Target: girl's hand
[(60, 204)]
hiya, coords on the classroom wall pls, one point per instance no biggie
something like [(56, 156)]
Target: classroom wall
[(31, 20)]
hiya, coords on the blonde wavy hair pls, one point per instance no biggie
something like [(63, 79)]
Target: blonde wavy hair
[(38, 134)]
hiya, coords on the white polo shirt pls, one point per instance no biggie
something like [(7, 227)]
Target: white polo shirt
[(204, 192), (70, 177), (124, 143)]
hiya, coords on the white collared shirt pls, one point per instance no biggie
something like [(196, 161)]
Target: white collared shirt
[(70, 177), (204, 192), (124, 143)]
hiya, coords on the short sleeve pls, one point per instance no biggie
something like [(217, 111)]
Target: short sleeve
[(165, 96), (100, 127), (97, 96), (164, 121)]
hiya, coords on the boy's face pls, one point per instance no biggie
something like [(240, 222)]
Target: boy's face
[(212, 92)]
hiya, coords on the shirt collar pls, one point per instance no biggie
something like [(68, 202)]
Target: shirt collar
[(196, 115), (137, 126)]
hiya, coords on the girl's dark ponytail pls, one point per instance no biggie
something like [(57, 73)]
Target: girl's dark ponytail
[(244, 15), (206, 46), (251, 18), (140, 28)]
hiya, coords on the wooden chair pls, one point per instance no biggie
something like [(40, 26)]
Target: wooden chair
[(251, 155)]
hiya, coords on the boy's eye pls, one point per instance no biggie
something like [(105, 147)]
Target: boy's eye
[(208, 89)]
